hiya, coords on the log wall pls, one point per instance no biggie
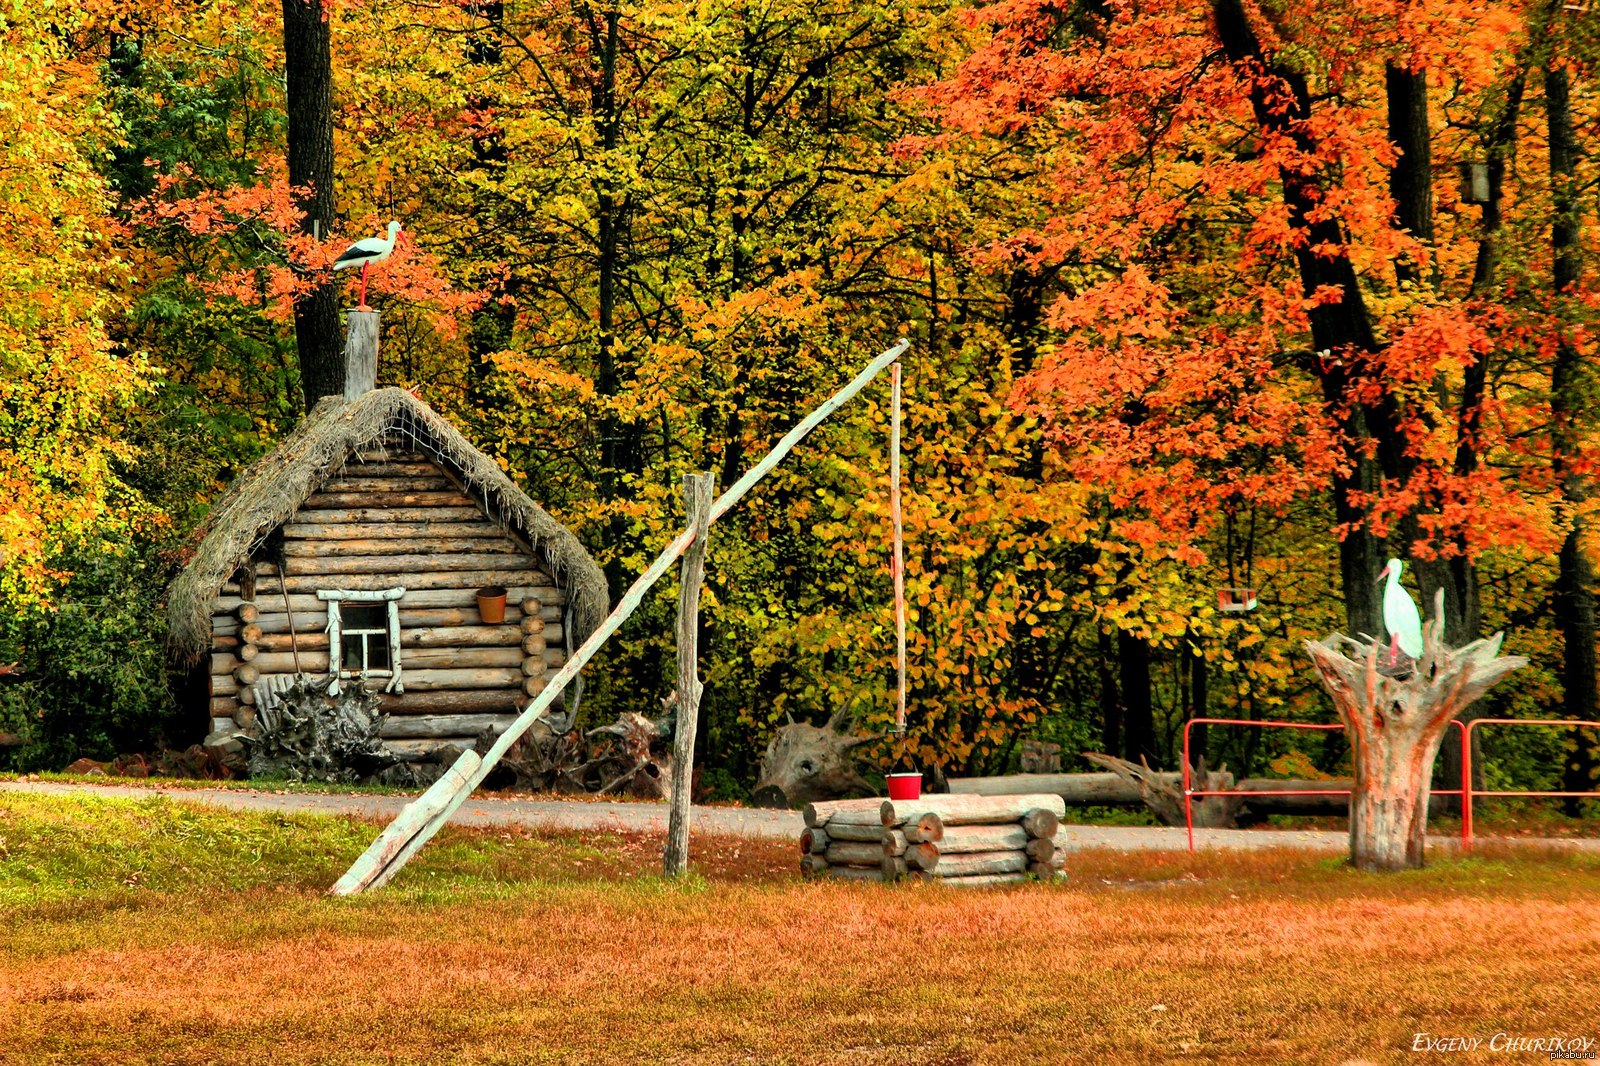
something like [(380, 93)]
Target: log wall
[(396, 518)]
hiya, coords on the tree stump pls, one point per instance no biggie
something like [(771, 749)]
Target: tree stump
[(1164, 796), (1395, 725)]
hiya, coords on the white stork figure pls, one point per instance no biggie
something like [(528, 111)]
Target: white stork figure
[(1400, 616), (364, 253)]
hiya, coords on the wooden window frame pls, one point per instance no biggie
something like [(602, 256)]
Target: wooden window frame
[(336, 671)]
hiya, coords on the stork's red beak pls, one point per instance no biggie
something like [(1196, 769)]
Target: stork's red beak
[(1381, 575)]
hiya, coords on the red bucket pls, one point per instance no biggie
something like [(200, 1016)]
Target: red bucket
[(905, 786)]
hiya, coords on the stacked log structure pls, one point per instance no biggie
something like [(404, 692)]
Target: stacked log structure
[(962, 841), (393, 517)]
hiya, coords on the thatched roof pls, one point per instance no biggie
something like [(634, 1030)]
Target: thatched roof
[(271, 491)]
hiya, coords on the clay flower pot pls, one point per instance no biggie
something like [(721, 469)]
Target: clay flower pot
[(905, 786), (492, 605)]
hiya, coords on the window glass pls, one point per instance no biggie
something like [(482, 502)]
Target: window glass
[(353, 616)]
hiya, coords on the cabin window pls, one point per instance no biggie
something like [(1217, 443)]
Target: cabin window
[(363, 635)]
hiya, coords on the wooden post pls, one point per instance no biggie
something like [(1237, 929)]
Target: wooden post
[(899, 566), (403, 837), (697, 498), (360, 354)]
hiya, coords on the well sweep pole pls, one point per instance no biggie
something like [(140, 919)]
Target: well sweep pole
[(387, 854)]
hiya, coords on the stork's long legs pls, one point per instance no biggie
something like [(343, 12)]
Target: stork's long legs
[(363, 304)]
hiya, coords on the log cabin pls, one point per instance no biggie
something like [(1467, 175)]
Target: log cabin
[(354, 552)]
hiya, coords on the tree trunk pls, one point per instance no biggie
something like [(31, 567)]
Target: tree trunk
[(1110, 701), (1133, 657), (308, 73), (1395, 726), (1575, 606)]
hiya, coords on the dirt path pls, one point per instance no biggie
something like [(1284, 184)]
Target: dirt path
[(652, 817)]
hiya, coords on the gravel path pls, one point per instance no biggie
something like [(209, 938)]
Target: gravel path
[(652, 818)]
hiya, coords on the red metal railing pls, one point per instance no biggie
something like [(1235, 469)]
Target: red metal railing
[(1189, 793), (1468, 792)]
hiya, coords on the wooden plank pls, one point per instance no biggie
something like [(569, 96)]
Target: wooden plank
[(444, 725), (402, 565), (391, 515), (349, 483), (378, 859), (406, 546), (449, 498), (467, 581), (369, 530)]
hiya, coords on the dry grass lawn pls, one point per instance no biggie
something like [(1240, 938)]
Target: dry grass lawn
[(152, 932)]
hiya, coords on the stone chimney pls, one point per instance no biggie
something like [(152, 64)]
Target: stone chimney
[(360, 354)]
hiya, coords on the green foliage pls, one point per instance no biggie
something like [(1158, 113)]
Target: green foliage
[(92, 671)]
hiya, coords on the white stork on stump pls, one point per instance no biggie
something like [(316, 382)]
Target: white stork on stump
[(1400, 616), (364, 253)]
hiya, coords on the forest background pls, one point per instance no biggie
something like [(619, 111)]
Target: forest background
[(1201, 295)]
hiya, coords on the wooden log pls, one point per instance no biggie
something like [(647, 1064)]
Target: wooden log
[(247, 696), (443, 725), (223, 685), (849, 851), (857, 873), (224, 662), (246, 612), (813, 866), (532, 665), (406, 468), (227, 644), (429, 483), (282, 662), (894, 843), (532, 686), (247, 673), (444, 498), (273, 642), (922, 856), (929, 829), (533, 624), (452, 701), (224, 706), (535, 645), (248, 653), (962, 839), (245, 716), (894, 868), (848, 831), (504, 545), (296, 531), (373, 515), (335, 565), (461, 637), (979, 862), (1040, 822), (1041, 849), (969, 810), (550, 600), (1079, 790), (814, 841), (822, 812), (465, 580), (419, 747), (977, 880), (250, 634), (475, 677)]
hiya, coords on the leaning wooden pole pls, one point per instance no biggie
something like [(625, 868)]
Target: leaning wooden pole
[(697, 499), (403, 838)]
